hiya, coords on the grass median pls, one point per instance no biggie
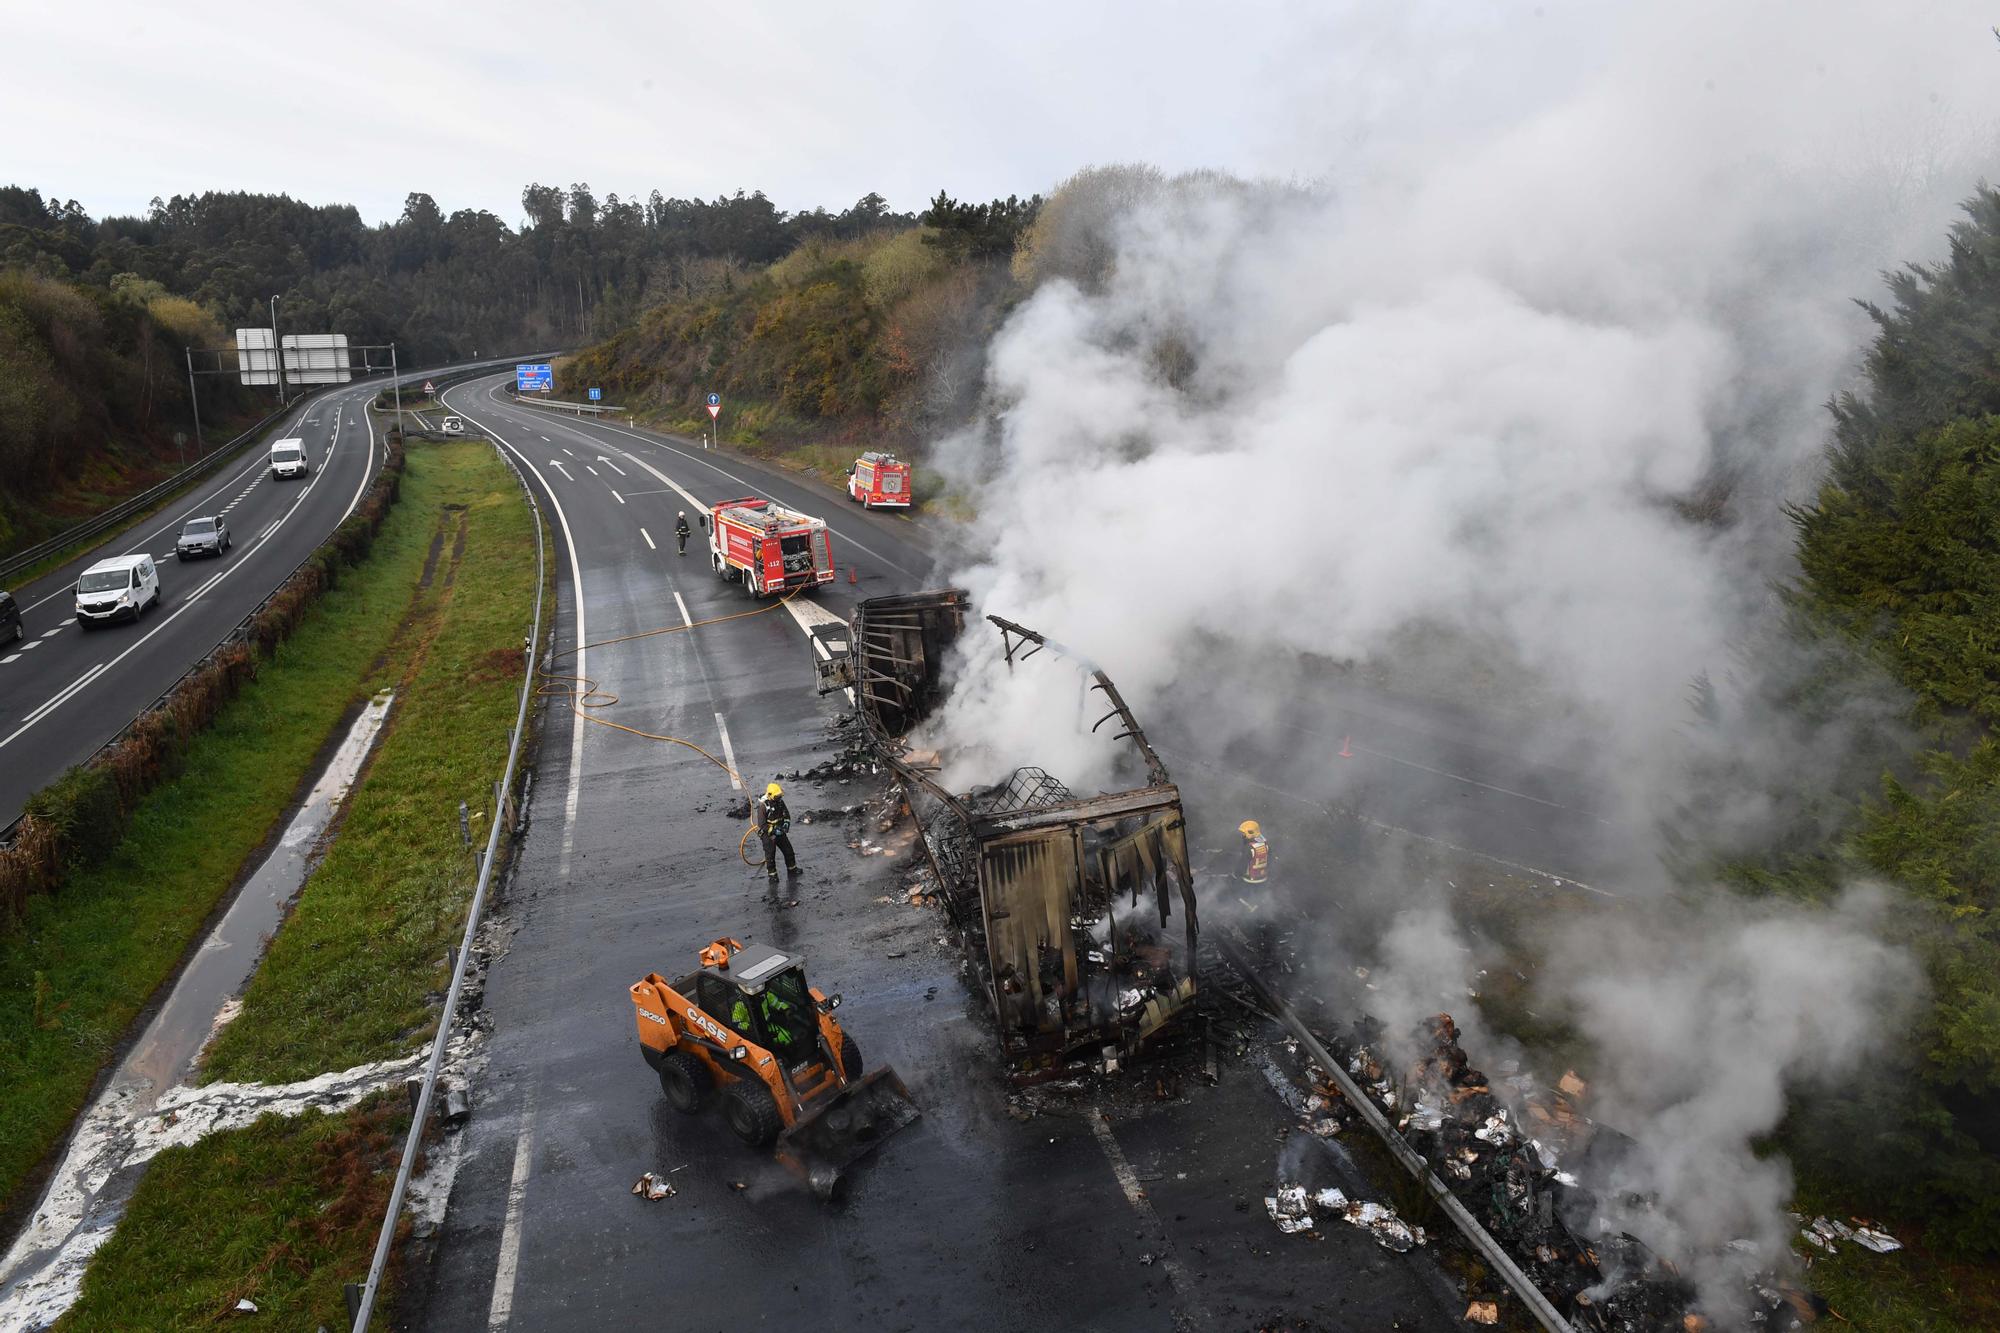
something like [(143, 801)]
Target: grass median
[(353, 974), (281, 1213), (84, 961)]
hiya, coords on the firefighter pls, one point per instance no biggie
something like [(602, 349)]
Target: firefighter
[(681, 530), (774, 826), (1256, 853)]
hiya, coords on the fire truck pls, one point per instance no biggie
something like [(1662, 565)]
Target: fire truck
[(770, 548), (879, 480)]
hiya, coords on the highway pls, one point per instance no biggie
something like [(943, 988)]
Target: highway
[(1125, 1208), (65, 691)]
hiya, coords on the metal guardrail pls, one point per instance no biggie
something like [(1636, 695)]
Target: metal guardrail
[(139, 503), (578, 409), (411, 1145)]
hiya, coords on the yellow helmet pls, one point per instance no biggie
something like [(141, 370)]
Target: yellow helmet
[(1248, 828), (774, 790)]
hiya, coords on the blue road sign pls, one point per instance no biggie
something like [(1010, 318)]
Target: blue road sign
[(596, 394), (715, 400), (533, 379)]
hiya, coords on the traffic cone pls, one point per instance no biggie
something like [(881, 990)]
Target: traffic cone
[(852, 577), (1347, 747)]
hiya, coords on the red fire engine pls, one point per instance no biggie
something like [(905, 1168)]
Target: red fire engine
[(770, 548), (878, 479)]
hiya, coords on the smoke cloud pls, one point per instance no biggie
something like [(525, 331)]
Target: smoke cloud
[(1530, 370)]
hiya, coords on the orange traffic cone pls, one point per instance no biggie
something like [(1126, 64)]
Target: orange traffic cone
[(851, 576), (1347, 747)]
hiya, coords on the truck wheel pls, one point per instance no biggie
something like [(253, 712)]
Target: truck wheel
[(752, 1112), (685, 1080), (749, 586), (850, 1054)]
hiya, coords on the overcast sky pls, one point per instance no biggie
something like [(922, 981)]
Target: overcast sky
[(112, 102)]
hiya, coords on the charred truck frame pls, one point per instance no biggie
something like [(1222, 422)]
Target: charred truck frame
[(1033, 875)]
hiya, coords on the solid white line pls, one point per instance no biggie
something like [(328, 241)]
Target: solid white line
[(686, 619), (55, 700), (1128, 1184), (509, 1264), (619, 498), (571, 799), (649, 538), (728, 750)]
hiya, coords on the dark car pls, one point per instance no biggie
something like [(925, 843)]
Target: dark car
[(202, 536), (10, 619)]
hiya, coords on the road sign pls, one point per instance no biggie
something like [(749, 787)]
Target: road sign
[(714, 401), (714, 411), (596, 394), (430, 388), (533, 379)]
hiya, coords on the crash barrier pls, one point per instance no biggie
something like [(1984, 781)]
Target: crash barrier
[(1408, 1158), (83, 812), (361, 1300), (577, 409), (139, 503)]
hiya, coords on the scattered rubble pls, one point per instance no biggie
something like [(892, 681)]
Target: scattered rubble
[(1483, 1312), (653, 1187)]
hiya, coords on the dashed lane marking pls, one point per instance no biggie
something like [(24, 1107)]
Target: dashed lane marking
[(616, 496), (1128, 1184), (31, 645), (729, 751), (50, 634), (591, 470), (649, 539), (686, 619), (11, 657)]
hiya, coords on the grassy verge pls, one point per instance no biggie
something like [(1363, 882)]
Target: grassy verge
[(304, 1196), (351, 975), (85, 960)]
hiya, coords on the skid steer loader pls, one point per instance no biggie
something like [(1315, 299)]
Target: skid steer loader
[(749, 1026)]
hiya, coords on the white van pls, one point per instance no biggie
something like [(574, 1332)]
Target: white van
[(288, 459), (119, 588)]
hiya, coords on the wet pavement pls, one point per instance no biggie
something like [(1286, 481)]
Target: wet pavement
[(1110, 1207)]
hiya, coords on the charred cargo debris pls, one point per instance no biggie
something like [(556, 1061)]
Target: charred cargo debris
[(1063, 903), (1525, 1161)]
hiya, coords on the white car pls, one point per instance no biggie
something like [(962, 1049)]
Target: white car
[(119, 588), (288, 459), (454, 426)]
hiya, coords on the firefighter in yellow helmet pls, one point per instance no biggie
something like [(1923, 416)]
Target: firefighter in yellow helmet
[(774, 827), (1256, 853)]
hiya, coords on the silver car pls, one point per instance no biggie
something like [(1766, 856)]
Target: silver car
[(202, 536)]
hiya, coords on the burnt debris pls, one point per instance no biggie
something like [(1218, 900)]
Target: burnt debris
[(1063, 903)]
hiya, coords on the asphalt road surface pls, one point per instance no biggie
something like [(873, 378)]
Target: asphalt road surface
[(65, 691), (1132, 1206)]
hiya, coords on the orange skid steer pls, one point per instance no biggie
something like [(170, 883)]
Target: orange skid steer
[(749, 1026)]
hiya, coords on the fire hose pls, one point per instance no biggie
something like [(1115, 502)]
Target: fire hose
[(585, 696)]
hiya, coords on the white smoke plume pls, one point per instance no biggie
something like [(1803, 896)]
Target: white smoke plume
[(1535, 361)]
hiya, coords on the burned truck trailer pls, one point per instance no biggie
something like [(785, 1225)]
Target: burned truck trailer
[(1064, 903)]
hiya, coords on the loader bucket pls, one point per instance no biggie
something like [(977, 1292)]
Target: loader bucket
[(846, 1127)]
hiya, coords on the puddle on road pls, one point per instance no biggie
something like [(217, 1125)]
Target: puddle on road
[(88, 1190)]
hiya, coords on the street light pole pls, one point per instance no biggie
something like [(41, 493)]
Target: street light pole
[(193, 402), (396, 383), (277, 351)]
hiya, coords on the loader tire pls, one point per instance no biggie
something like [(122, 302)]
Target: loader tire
[(752, 1113), (686, 1081), (850, 1055)]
